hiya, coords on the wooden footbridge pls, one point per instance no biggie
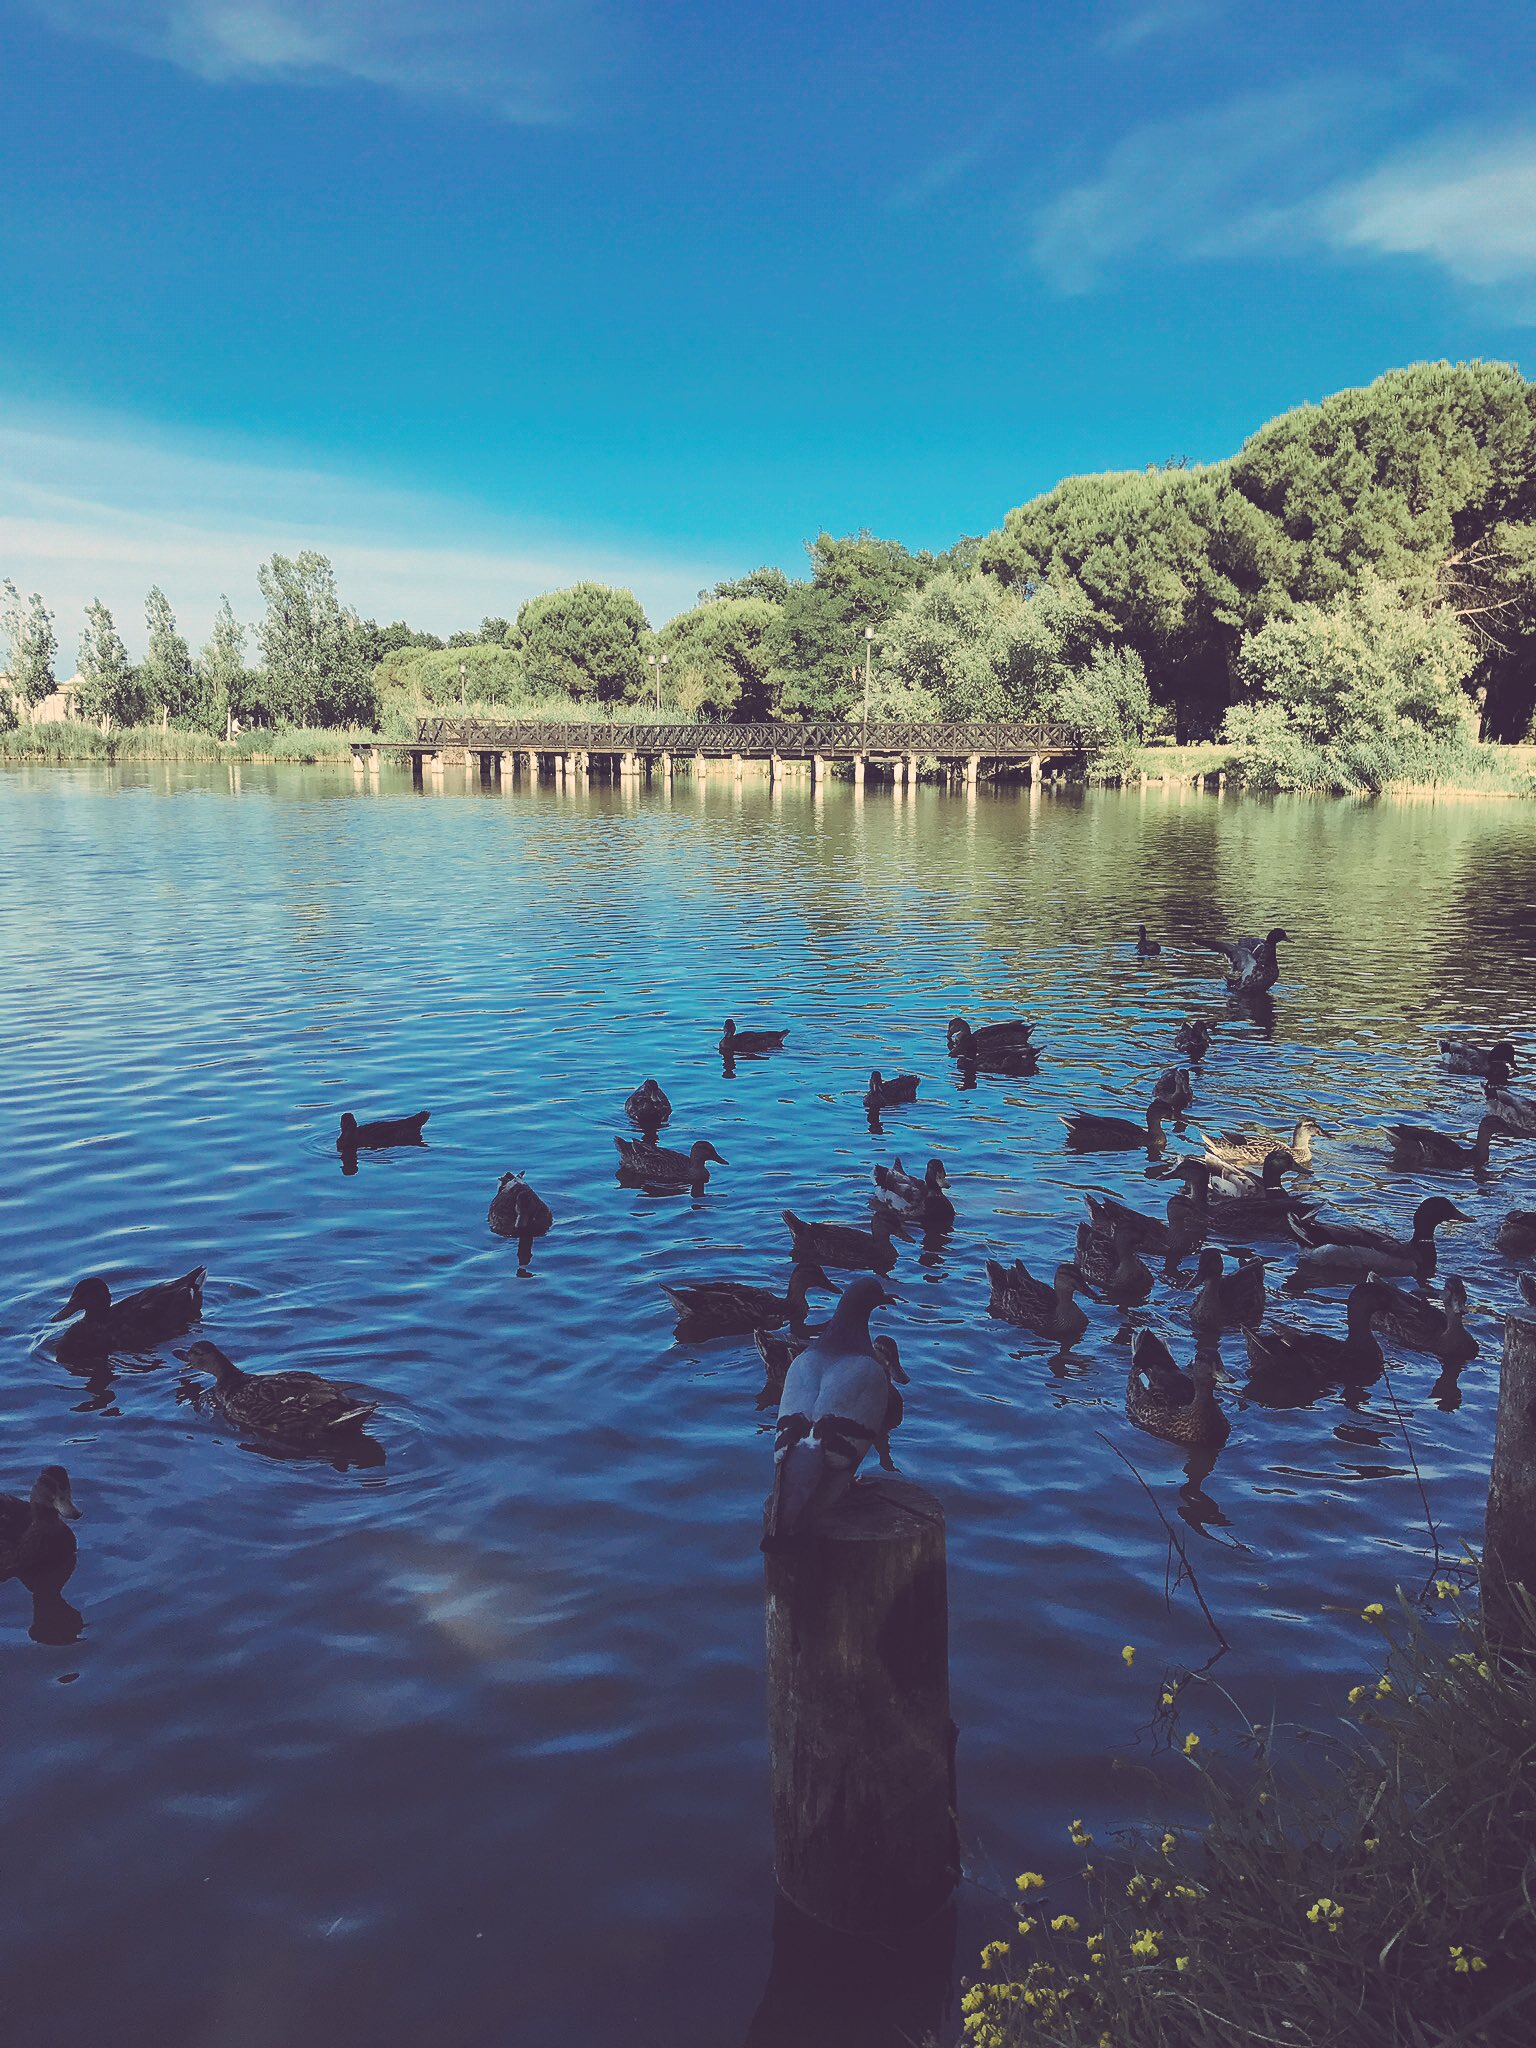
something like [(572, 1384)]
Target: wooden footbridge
[(612, 751)]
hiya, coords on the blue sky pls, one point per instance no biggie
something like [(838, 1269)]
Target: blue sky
[(484, 295)]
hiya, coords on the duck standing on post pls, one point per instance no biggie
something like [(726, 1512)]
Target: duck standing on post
[(837, 1395)]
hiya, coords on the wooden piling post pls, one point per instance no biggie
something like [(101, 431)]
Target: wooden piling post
[(818, 768), (858, 771), (701, 767), (972, 770), (1509, 1543), (861, 1746), (665, 765)]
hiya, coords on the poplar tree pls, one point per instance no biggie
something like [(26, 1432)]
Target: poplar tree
[(225, 684), (26, 628), (110, 693), (313, 646), (166, 674)]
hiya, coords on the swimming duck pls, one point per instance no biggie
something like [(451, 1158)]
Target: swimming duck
[(297, 1408), (1354, 1247), (384, 1131), (1109, 1262), (1180, 1407), (1465, 1056), (1250, 1147), (1226, 1301), (988, 1041), (1419, 1324), (648, 1106), (1253, 966), (1417, 1145), (516, 1211), (834, 1408), (136, 1322), (1517, 1111), (840, 1244), (925, 1200), (883, 1094), (658, 1166), (1193, 1039), (728, 1308), (1287, 1351), (1516, 1235), (1146, 949), (1176, 1087), (1019, 1297), (749, 1044), (35, 1536), (1087, 1131), (1187, 1215), (1256, 1209)]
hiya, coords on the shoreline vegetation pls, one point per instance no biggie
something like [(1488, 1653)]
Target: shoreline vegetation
[(1482, 768), (1345, 605)]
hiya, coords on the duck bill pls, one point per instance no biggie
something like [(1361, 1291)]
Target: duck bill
[(64, 1502)]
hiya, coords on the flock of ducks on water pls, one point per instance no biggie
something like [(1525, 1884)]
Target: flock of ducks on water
[(837, 1387)]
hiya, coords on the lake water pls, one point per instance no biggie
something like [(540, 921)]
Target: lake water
[(468, 1746)]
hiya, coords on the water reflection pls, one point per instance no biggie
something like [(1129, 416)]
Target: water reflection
[(832, 1990)]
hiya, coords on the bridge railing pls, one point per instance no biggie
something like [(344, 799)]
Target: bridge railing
[(994, 739)]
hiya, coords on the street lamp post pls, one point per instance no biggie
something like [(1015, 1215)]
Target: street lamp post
[(869, 652), (658, 662)]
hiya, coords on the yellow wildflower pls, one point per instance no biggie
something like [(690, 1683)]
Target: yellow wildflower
[(1444, 1590), (1325, 1913), (1146, 1942), (1465, 1965), (1185, 1891), (1027, 1926), (992, 1953), (1167, 1699), (1079, 1834), (1094, 1941), (1137, 1887), (1129, 1654), (1168, 1844), (1383, 1688), (1371, 1844), (1191, 1744), (1181, 1963), (1063, 1924), (1356, 1695), (1373, 1612), (1030, 1881)]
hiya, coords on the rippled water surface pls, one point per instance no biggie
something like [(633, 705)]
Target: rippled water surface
[(468, 1746)]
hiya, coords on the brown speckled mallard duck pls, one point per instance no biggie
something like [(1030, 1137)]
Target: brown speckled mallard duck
[(1018, 1297), (35, 1536), (383, 1132), (659, 1166), (1255, 1209), (297, 1408), (1517, 1111), (1087, 1131), (1176, 1087), (1187, 1215), (727, 1308), (135, 1322), (1249, 1148), (648, 1106), (1466, 1056), (1193, 1039), (1417, 1145), (1419, 1324), (1109, 1262), (1516, 1235), (1182, 1408), (516, 1211), (1358, 1249), (924, 1201), (1226, 1301), (840, 1244)]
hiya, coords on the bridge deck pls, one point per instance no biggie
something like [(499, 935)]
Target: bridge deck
[(1002, 740)]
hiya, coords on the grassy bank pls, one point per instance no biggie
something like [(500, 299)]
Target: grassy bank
[(1480, 770), (1373, 1885)]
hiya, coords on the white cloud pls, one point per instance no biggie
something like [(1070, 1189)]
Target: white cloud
[(93, 508), (524, 60), (1154, 22), (1468, 206)]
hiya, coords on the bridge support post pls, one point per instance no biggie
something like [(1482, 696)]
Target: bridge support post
[(664, 764), (359, 758), (818, 768), (972, 770), (1034, 771), (858, 771), (736, 766), (627, 767), (775, 766), (700, 768), (911, 771)]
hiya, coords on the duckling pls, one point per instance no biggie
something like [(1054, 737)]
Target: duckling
[(136, 1322), (35, 1536), (1109, 1262), (834, 1409), (298, 1408), (885, 1094), (1287, 1351), (987, 1041), (1253, 966), (1087, 1131), (516, 1211), (1193, 1039), (1356, 1248), (1516, 1235), (383, 1132), (1418, 1324), (1248, 1149), (1417, 1145), (1181, 1408), (648, 1106), (1049, 1311), (729, 1308), (1146, 949), (840, 1244), (923, 1201), (747, 1045), (657, 1166), (1227, 1300), (1465, 1056)]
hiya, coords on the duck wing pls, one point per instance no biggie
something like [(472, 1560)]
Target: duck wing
[(293, 1404), (162, 1310)]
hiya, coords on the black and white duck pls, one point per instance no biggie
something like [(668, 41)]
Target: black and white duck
[(1253, 965), (1248, 1148), (1466, 1056), (733, 1308), (35, 1536), (659, 1166), (1226, 1301), (648, 1106), (1018, 1297), (1416, 1145), (1111, 1265), (884, 1093), (296, 1408), (516, 1211), (1289, 1351), (1180, 1407), (924, 1201), (749, 1045), (134, 1322), (1090, 1131), (1357, 1249), (1146, 948), (381, 1133), (834, 1409), (1193, 1039), (1419, 1324), (842, 1244)]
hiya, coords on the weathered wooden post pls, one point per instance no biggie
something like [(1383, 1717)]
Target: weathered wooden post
[(700, 767), (858, 771), (359, 758), (1509, 1543), (664, 763), (1034, 771), (736, 766), (775, 766), (861, 1746), (818, 768), (972, 770)]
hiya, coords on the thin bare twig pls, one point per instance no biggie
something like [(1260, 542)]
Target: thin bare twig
[(1175, 1543)]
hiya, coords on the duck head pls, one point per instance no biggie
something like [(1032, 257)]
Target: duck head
[(1208, 1266), (701, 1151), (936, 1176), (1276, 937), (348, 1127), (92, 1297), (959, 1035), (208, 1358), (1454, 1296), (1429, 1215), (1277, 1164), (51, 1494), (1151, 1354), (1069, 1277)]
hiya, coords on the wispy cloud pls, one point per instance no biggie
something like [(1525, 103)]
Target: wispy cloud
[(1465, 203), (523, 60), (94, 507), (1154, 21)]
